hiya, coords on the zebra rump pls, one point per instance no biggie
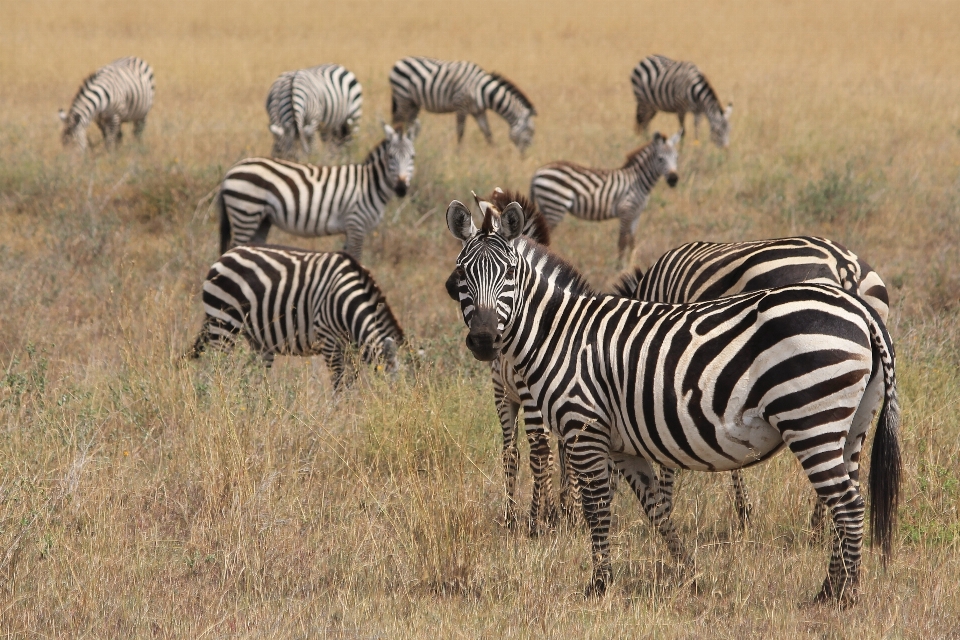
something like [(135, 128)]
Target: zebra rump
[(119, 92), (327, 99), (288, 301)]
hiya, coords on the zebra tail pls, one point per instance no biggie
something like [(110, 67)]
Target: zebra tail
[(224, 224), (885, 464)]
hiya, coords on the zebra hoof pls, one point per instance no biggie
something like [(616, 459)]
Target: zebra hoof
[(843, 594), (598, 585)]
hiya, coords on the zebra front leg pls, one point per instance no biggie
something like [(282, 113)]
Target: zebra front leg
[(642, 478), (569, 491), (461, 125), (508, 412), (644, 115), (682, 116), (668, 479), (543, 509), (481, 119), (138, 127), (628, 231), (741, 500), (356, 233), (589, 453)]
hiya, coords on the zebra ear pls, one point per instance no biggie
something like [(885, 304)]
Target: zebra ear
[(460, 222), (675, 139), (511, 221), (62, 114), (728, 111), (276, 130), (389, 132), (658, 137)]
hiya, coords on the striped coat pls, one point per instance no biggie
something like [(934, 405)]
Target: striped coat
[(463, 88), (327, 99), (308, 200), (287, 301), (120, 92), (711, 386), (662, 84)]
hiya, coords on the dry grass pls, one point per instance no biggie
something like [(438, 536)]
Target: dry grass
[(141, 498)]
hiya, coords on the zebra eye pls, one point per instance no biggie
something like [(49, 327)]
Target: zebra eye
[(461, 274), (511, 272)]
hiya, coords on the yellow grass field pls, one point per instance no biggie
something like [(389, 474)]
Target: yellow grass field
[(143, 497)]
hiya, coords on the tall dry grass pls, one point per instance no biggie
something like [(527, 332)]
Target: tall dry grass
[(140, 497)]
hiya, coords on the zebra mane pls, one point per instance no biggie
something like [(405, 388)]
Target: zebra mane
[(640, 153), (376, 150), (515, 90), (626, 285), (535, 225), (565, 276), (386, 313)]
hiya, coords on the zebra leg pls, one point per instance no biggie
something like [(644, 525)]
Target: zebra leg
[(461, 125), (817, 520), (696, 126), (355, 236), (481, 119), (682, 116), (260, 235), (543, 510), (642, 478), (589, 452), (569, 491), (138, 127), (741, 500), (628, 230), (668, 478), (508, 412), (644, 115)]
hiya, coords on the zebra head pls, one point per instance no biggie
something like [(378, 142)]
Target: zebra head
[(521, 131), (400, 155), (666, 156), (486, 273), (720, 127), (74, 130)]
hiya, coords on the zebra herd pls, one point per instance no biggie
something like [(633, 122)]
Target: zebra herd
[(713, 360)]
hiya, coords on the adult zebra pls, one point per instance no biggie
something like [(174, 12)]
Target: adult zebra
[(326, 98), (662, 84), (294, 302), (463, 88), (712, 386), (308, 200), (601, 194), (122, 91), (509, 397)]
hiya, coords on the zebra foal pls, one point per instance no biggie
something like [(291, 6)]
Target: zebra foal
[(119, 92), (307, 200), (711, 386), (460, 87), (601, 194), (327, 99), (662, 84), (287, 301)]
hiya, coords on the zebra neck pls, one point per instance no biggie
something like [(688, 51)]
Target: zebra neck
[(500, 98), (640, 171), (375, 166)]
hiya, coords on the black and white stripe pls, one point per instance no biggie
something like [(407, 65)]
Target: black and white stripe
[(710, 386), (601, 194), (327, 99), (120, 92), (307, 200), (463, 88), (288, 301), (662, 84)]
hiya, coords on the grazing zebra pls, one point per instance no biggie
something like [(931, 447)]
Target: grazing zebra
[(662, 84), (326, 98), (711, 386), (307, 200), (301, 303), (601, 194), (509, 397), (461, 87), (122, 91)]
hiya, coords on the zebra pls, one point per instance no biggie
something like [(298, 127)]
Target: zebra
[(712, 386), (462, 87), (308, 200), (295, 302), (601, 194), (662, 84), (509, 397), (119, 92), (326, 98)]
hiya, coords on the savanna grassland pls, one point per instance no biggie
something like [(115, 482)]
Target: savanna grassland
[(140, 496)]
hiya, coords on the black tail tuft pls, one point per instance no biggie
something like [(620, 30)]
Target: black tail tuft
[(885, 466)]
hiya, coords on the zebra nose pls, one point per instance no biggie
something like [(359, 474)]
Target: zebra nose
[(672, 178), (481, 344), (401, 187)]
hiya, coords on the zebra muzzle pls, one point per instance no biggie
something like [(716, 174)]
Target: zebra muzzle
[(400, 188), (483, 337), (672, 178)]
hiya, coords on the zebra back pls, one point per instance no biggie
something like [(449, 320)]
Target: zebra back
[(707, 270)]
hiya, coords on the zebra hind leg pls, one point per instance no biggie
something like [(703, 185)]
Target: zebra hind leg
[(741, 499), (481, 119), (461, 125), (260, 235)]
